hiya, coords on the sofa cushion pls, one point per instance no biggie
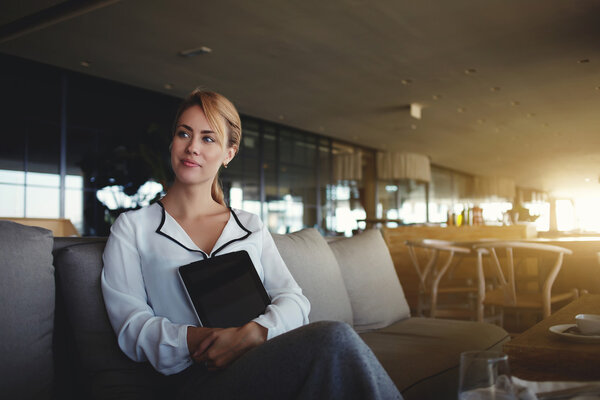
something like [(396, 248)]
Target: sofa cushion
[(27, 297), (316, 270), (108, 371), (375, 292), (421, 355)]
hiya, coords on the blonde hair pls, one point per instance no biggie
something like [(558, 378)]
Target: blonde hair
[(223, 117)]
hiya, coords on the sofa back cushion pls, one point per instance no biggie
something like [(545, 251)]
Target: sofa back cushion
[(315, 269), (27, 297), (375, 292), (108, 372)]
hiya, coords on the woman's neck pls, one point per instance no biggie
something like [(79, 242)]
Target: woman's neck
[(189, 202)]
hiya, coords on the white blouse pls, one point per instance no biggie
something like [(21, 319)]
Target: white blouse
[(146, 302)]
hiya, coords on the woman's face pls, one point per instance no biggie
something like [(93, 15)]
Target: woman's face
[(197, 151)]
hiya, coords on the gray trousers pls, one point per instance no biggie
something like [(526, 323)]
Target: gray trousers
[(323, 360)]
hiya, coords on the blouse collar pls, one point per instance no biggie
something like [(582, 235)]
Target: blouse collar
[(170, 228)]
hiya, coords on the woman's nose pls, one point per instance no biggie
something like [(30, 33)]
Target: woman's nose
[(193, 147)]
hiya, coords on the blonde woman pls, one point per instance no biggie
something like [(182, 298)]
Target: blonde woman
[(278, 355)]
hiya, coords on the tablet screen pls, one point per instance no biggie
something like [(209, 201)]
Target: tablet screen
[(225, 290)]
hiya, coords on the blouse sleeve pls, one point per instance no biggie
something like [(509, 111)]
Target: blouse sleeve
[(141, 335), (289, 308)]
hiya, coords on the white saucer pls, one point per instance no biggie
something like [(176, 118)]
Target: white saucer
[(560, 330)]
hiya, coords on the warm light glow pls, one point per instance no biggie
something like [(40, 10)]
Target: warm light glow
[(581, 214), (587, 213), (565, 215)]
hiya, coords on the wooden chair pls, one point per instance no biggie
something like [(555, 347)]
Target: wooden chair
[(432, 282), (510, 291)]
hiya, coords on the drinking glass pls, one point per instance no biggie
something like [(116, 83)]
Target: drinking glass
[(485, 375)]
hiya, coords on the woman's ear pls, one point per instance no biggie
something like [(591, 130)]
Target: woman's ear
[(231, 152)]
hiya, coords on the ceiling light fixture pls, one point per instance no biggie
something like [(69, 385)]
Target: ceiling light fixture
[(406, 81), (415, 110), (514, 103), (85, 64), (584, 61), (195, 51), (460, 109), (470, 71), (436, 96), (168, 86), (495, 89)]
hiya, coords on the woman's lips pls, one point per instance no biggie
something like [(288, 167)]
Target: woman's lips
[(189, 163)]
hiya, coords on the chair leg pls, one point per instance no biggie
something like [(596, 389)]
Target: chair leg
[(421, 299)]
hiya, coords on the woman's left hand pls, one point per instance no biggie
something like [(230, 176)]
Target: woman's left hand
[(221, 347)]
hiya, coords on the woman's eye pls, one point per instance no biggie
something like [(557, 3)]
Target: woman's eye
[(183, 134), (208, 139)]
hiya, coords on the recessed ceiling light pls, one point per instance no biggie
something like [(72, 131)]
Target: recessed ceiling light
[(495, 88), (460, 109), (514, 103), (480, 121), (436, 96), (530, 115), (584, 61), (85, 64), (195, 51), (470, 71), (168, 86), (415, 110), (406, 81)]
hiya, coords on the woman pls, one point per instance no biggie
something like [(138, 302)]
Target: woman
[(155, 322)]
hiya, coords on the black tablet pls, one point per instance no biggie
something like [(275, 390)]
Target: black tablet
[(225, 290)]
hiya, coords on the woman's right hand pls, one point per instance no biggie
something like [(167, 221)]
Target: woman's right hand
[(217, 347), (195, 336)]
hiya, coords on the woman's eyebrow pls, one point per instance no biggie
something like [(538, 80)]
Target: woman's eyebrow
[(186, 127), (189, 128)]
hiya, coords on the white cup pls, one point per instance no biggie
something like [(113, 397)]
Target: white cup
[(588, 324)]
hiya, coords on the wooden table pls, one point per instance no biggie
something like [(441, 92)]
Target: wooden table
[(537, 354)]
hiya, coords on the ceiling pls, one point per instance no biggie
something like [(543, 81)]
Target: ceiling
[(509, 88)]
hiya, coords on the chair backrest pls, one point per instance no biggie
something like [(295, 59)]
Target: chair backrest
[(522, 245), (508, 283), (435, 246)]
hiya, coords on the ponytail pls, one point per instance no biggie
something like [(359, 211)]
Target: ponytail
[(216, 191)]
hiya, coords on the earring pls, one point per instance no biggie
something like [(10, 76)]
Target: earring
[(224, 165)]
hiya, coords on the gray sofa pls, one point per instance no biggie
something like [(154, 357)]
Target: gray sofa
[(56, 341)]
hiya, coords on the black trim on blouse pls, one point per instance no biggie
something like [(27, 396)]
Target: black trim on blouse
[(235, 217)]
